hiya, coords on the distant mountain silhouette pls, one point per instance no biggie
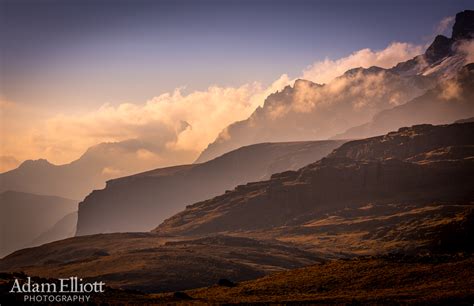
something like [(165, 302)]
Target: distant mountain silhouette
[(23, 217), (78, 178), (139, 202)]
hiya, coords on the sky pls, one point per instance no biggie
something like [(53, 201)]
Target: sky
[(68, 64)]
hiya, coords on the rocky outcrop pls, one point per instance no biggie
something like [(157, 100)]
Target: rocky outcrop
[(140, 202)]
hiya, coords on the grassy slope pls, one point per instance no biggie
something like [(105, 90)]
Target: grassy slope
[(367, 280)]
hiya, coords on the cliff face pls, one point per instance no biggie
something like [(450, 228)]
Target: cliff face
[(139, 202), (418, 165)]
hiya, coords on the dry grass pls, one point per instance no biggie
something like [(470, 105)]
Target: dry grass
[(368, 280)]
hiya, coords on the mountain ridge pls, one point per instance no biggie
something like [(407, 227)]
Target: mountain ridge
[(350, 174), (139, 202)]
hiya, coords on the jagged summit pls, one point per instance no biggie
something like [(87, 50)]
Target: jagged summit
[(370, 70), (303, 82), (439, 49), (442, 46), (464, 26), (442, 58)]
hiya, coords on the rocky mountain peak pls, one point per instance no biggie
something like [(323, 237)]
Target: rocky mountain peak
[(305, 83), (464, 26), (35, 163), (365, 71), (439, 49)]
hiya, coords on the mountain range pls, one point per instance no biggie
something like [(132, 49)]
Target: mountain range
[(319, 111), (422, 170), (435, 87), (406, 192), (77, 179), (389, 194)]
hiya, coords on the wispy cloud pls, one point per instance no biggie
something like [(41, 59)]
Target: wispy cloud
[(445, 25), (326, 70)]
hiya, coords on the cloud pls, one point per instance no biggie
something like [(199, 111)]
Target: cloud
[(445, 25), (175, 127), (356, 91), (326, 70), (451, 90), (467, 49)]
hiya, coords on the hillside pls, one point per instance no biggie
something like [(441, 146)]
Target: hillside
[(386, 280), (140, 202), (154, 263)]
